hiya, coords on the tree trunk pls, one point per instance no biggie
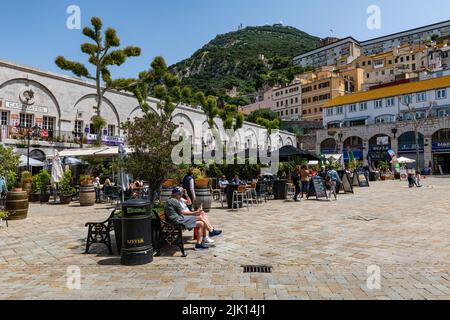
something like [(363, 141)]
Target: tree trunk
[(417, 150), (99, 104)]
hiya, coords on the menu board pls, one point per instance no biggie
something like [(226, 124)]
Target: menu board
[(345, 185), (360, 179), (317, 188)]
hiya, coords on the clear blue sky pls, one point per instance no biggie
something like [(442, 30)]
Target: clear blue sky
[(34, 32)]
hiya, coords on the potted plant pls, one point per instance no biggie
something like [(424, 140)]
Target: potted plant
[(3, 217), (201, 180), (44, 182), (65, 188), (27, 180), (86, 180), (17, 187), (383, 167), (34, 196)]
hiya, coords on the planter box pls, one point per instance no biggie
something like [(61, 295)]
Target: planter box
[(44, 198), (65, 199)]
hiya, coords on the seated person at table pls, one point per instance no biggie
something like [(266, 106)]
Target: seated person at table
[(236, 180), (223, 183), (185, 203), (176, 214), (108, 183)]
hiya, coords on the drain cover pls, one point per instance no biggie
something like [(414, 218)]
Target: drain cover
[(257, 269), (361, 218)]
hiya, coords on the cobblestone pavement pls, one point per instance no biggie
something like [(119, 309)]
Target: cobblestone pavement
[(319, 250)]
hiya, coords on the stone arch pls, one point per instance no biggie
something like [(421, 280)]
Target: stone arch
[(379, 139), (406, 141), (90, 111), (250, 139), (37, 85), (138, 113), (289, 141), (38, 154), (185, 126), (328, 146), (280, 142)]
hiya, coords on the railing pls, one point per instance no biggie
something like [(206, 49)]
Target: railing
[(21, 134), (52, 136)]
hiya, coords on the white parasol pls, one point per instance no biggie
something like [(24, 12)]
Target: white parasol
[(405, 160)]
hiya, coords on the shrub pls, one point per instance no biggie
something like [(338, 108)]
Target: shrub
[(65, 186), (44, 181)]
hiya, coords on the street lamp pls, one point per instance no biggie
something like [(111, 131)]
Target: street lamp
[(394, 132), (31, 132)]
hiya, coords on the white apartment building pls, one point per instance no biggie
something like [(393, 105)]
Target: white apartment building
[(390, 104), (348, 49)]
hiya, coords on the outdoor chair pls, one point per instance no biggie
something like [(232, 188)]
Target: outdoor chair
[(172, 234), (239, 197), (112, 194), (100, 232), (252, 197), (261, 192)]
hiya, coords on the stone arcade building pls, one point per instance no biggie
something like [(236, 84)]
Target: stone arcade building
[(62, 107)]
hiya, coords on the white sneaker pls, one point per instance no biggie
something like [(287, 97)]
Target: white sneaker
[(208, 240)]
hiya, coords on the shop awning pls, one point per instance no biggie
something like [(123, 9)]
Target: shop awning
[(92, 152), (356, 119)]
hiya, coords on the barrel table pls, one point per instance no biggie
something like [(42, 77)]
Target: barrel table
[(203, 197), (17, 204), (87, 196)]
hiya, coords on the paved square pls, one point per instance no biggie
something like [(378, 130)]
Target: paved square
[(319, 250)]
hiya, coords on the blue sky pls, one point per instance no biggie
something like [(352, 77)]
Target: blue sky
[(34, 32)]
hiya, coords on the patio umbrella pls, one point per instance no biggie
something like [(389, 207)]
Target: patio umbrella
[(122, 175), (57, 171), (405, 160), (33, 162)]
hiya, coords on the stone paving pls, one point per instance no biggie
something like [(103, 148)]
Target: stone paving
[(318, 250)]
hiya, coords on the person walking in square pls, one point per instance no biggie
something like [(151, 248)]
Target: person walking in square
[(296, 178), (333, 179), (305, 178)]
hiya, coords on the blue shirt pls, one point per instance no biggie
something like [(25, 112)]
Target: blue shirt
[(334, 176)]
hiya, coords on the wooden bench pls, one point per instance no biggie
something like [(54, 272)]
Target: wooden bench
[(100, 232), (172, 234)]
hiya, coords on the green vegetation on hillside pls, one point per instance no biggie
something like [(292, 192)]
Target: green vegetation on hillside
[(236, 59)]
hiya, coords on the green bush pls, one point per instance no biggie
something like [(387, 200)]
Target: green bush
[(65, 186), (44, 181)]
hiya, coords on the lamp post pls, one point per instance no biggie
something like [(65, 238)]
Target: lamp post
[(32, 132)]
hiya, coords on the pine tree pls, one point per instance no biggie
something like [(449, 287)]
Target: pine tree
[(102, 55)]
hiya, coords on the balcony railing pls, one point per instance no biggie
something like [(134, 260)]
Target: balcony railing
[(52, 136), (21, 134)]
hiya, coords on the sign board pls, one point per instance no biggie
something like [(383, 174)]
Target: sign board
[(110, 141), (317, 189), (403, 174), (360, 179), (346, 184), (26, 108)]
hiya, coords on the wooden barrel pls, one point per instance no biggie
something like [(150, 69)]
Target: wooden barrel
[(165, 194), (27, 187), (203, 196), (87, 196), (17, 204)]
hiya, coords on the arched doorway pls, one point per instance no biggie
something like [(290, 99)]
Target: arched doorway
[(407, 147), (441, 151), (379, 145), (328, 146), (353, 146)]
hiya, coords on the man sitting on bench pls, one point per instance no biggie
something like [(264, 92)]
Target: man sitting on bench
[(175, 213)]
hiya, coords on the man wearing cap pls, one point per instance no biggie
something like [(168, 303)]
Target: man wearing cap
[(175, 213)]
